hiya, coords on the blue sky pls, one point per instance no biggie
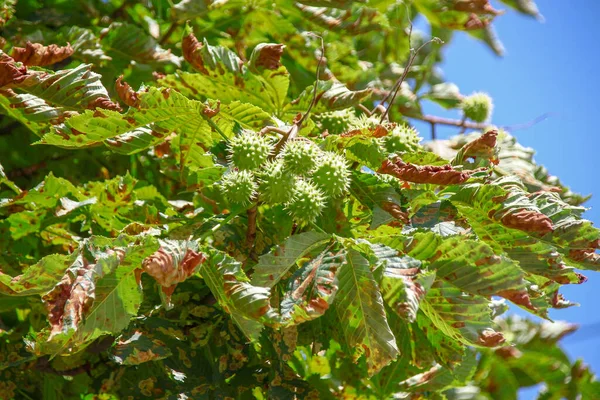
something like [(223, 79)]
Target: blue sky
[(548, 67)]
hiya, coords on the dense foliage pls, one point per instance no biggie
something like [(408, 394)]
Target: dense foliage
[(211, 199)]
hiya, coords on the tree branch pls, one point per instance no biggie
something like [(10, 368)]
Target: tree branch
[(432, 119)]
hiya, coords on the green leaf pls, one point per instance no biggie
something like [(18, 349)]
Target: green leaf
[(126, 42), (360, 310), (225, 77), (445, 94), (161, 111), (331, 96), (273, 266)]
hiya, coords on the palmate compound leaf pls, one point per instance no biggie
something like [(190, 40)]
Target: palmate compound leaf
[(360, 310), (274, 265), (160, 112), (97, 295), (509, 220), (468, 264), (222, 75), (312, 288), (248, 305), (39, 99)]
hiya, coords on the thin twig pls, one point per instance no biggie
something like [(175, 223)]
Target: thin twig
[(432, 119), (364, 109), (433, 135), (268, 129), (463, 127), (314, 99), (410, 49), (398, 84), (168, 34)]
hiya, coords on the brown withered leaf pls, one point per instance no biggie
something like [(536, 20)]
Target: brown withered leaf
[(169, 269), (39, 55), (483, 146), (437, 175), (190, 46), (588, 254), (490, 338), (69, 300), (126, 93), (10, 72), (105, 103), (528, 221), (476, 6), (520, 297), (268, 55), (475, 23)]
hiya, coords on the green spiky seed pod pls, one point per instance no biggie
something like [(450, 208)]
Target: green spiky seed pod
[(335, 122), (332, 175), (276, 184), (248, 151), (307, 202), (477, 107), (402, 138), (239, 186), (300, 156)]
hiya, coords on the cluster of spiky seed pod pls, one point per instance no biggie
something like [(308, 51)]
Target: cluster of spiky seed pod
[(302, 177)]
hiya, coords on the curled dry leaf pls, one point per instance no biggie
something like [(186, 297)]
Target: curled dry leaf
[(395, 211), (476, 6), (40, 55), (10, 72), (162, 266), (588, 254), (528, 221), (508, 352), (519, 297), (126, 93), (437, 175), (474, 23), (483, 146), (211, 112), (267, 55), (191, 47), (490, 338)]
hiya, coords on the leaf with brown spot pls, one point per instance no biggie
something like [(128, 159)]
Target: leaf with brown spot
[(312, 288), (39, 55), (97, 295)]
